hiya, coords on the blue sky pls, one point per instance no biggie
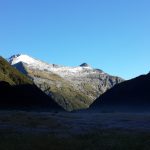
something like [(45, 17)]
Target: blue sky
[(113, 35)]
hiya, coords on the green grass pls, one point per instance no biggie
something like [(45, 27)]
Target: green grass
[(5, 78), (102, 140)]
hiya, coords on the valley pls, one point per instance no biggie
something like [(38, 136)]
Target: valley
[(74, 74), (46, 106)]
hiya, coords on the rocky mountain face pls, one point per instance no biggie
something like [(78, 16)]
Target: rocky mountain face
[(19, 92), (71, 87), (129, 96)]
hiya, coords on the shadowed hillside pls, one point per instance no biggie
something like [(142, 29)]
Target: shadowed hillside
[(131, 95), (25, 96)]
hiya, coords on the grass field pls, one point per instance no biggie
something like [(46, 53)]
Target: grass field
[(72, 131), (101, 140)]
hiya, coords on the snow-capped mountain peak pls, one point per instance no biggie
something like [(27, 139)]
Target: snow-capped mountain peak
[(32, 63), (71, 87), (21, 58)]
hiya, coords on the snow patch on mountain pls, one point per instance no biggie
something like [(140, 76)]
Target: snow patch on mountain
[(32, 63), (22, 58)]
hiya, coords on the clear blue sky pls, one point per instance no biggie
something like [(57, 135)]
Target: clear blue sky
[(113, 35)]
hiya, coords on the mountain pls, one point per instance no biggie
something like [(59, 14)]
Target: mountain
[(12, 75), (129, 96), (18, 91), (71, 87)]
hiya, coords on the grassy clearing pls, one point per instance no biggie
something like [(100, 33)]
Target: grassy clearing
[(102, 140)]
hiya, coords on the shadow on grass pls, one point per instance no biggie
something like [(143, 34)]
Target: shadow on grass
[(101, 140)]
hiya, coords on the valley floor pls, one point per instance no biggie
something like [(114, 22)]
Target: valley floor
[(74, 131)]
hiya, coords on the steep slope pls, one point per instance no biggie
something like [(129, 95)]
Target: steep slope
[(128, 96), (12, 75), (71, 87), (18, 91)]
